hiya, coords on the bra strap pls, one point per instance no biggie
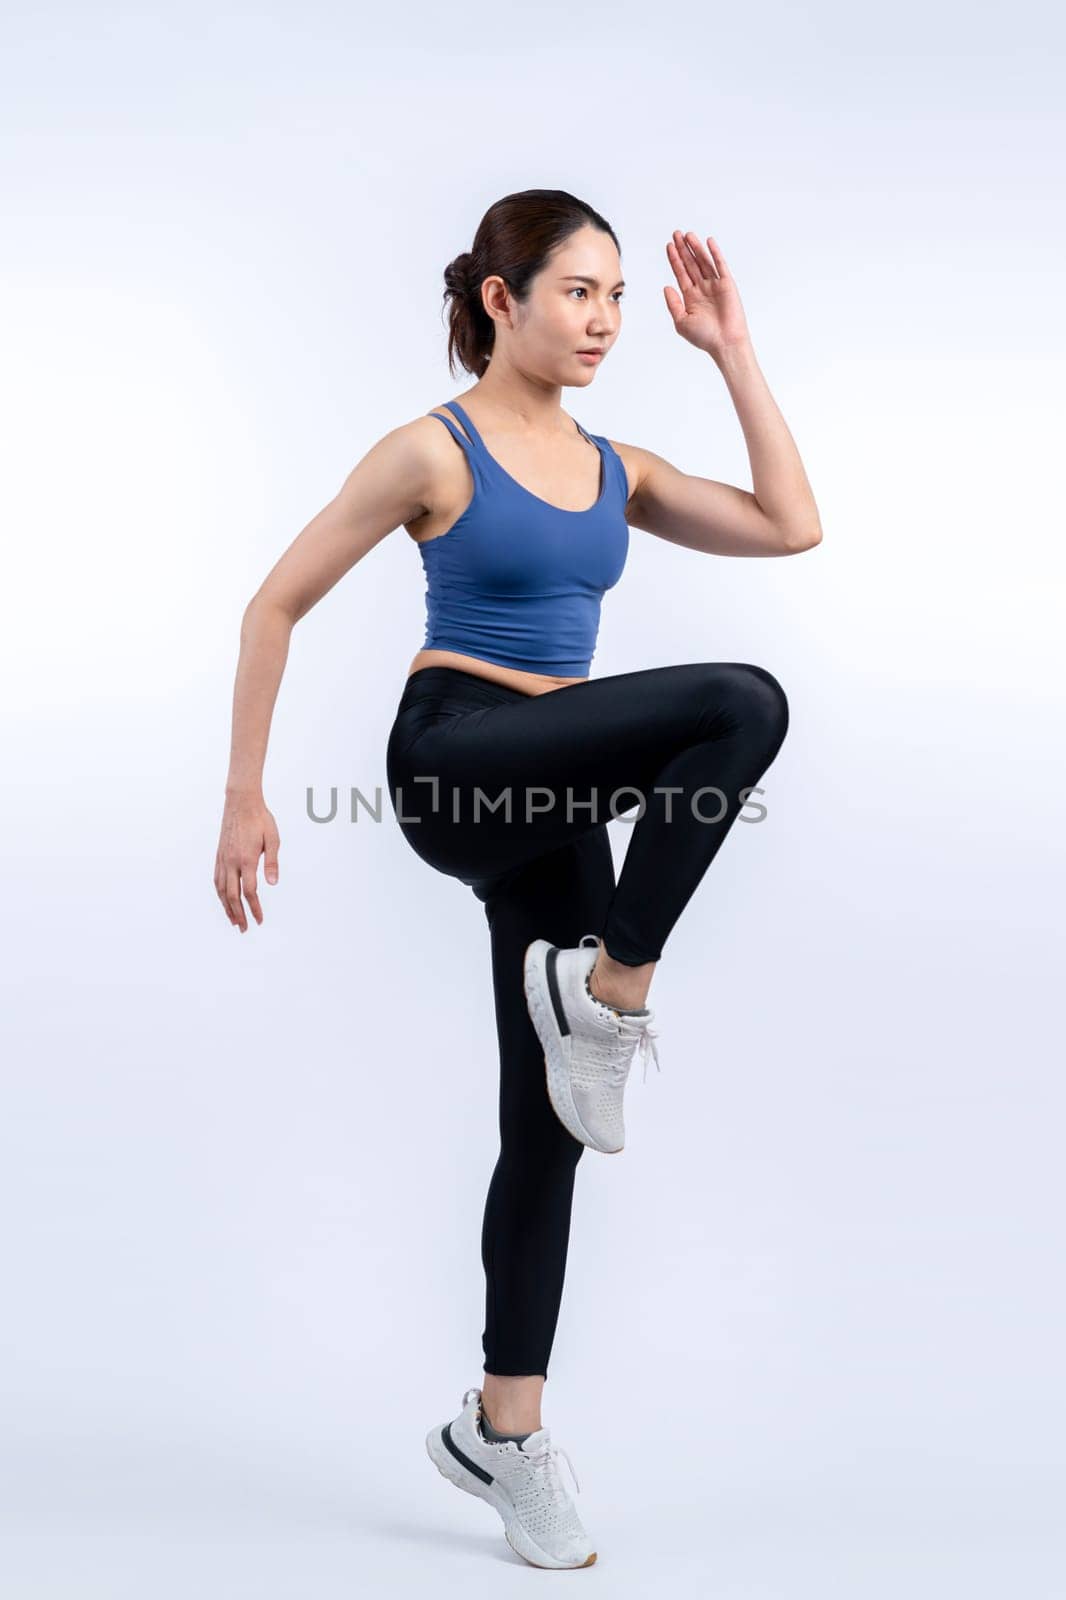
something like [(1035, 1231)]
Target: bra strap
[(460, 438), (456, 408), (602, 453), (475, 444)]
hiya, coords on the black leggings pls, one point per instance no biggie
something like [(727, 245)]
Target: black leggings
[(511, 794)]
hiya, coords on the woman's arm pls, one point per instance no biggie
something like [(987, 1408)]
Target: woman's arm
[(388, 487), (778, 516), (719, 519)]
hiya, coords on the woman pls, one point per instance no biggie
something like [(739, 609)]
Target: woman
[(506, 760)]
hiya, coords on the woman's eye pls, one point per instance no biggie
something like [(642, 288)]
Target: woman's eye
[(580, 289)]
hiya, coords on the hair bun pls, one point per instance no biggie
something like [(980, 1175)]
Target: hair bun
[(459, 275)]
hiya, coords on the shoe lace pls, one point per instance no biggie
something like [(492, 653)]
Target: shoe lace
[(633, 1028), (544, 1464)]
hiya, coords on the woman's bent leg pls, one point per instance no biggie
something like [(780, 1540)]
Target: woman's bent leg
[(697, 797), (525, 1232), (497, 786)]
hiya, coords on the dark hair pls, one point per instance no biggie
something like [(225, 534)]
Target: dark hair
[(513, 241)]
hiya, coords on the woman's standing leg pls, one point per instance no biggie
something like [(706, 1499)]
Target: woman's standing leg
[(525, 1233)]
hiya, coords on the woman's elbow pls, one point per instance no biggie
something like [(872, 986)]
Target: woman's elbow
[(267, 603), (804, 539)]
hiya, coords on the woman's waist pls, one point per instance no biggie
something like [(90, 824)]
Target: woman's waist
[(446, 685)]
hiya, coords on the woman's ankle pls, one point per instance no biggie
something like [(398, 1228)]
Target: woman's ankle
[(617, 984), (512, 1404)]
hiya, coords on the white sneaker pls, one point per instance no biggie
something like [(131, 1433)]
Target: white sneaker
[(588, 1045), (540, 1521)]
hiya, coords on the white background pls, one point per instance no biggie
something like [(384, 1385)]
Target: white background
[(810, 1343)]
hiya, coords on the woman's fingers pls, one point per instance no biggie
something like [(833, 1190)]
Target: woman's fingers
[(720, 264), (233, 897), (270, 858), (695, 263), (679, 263), (248, 885), (220, 883), (705, 256), (701, 258), (245, 837)]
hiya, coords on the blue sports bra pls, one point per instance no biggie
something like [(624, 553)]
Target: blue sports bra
[(516, 580)]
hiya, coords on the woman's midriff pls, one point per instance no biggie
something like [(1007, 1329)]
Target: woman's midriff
[(511, 677)]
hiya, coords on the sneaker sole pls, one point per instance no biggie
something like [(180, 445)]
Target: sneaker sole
[(539, 1001), (451, 1468)]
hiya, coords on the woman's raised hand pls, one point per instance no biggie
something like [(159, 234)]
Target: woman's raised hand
[(707, 312), (248, 831)]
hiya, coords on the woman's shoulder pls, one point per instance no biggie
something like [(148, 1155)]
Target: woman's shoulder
[(634, 462), (425, 439)]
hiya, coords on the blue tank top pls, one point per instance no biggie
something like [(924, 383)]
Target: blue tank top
[(517, 580)]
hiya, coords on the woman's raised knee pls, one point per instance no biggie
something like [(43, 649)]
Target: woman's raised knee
[(746, 696), (767, 700)]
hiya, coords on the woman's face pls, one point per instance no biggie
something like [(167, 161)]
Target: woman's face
[(574, 304)]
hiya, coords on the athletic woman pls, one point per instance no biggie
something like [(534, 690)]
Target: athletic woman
[(506, 760)]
